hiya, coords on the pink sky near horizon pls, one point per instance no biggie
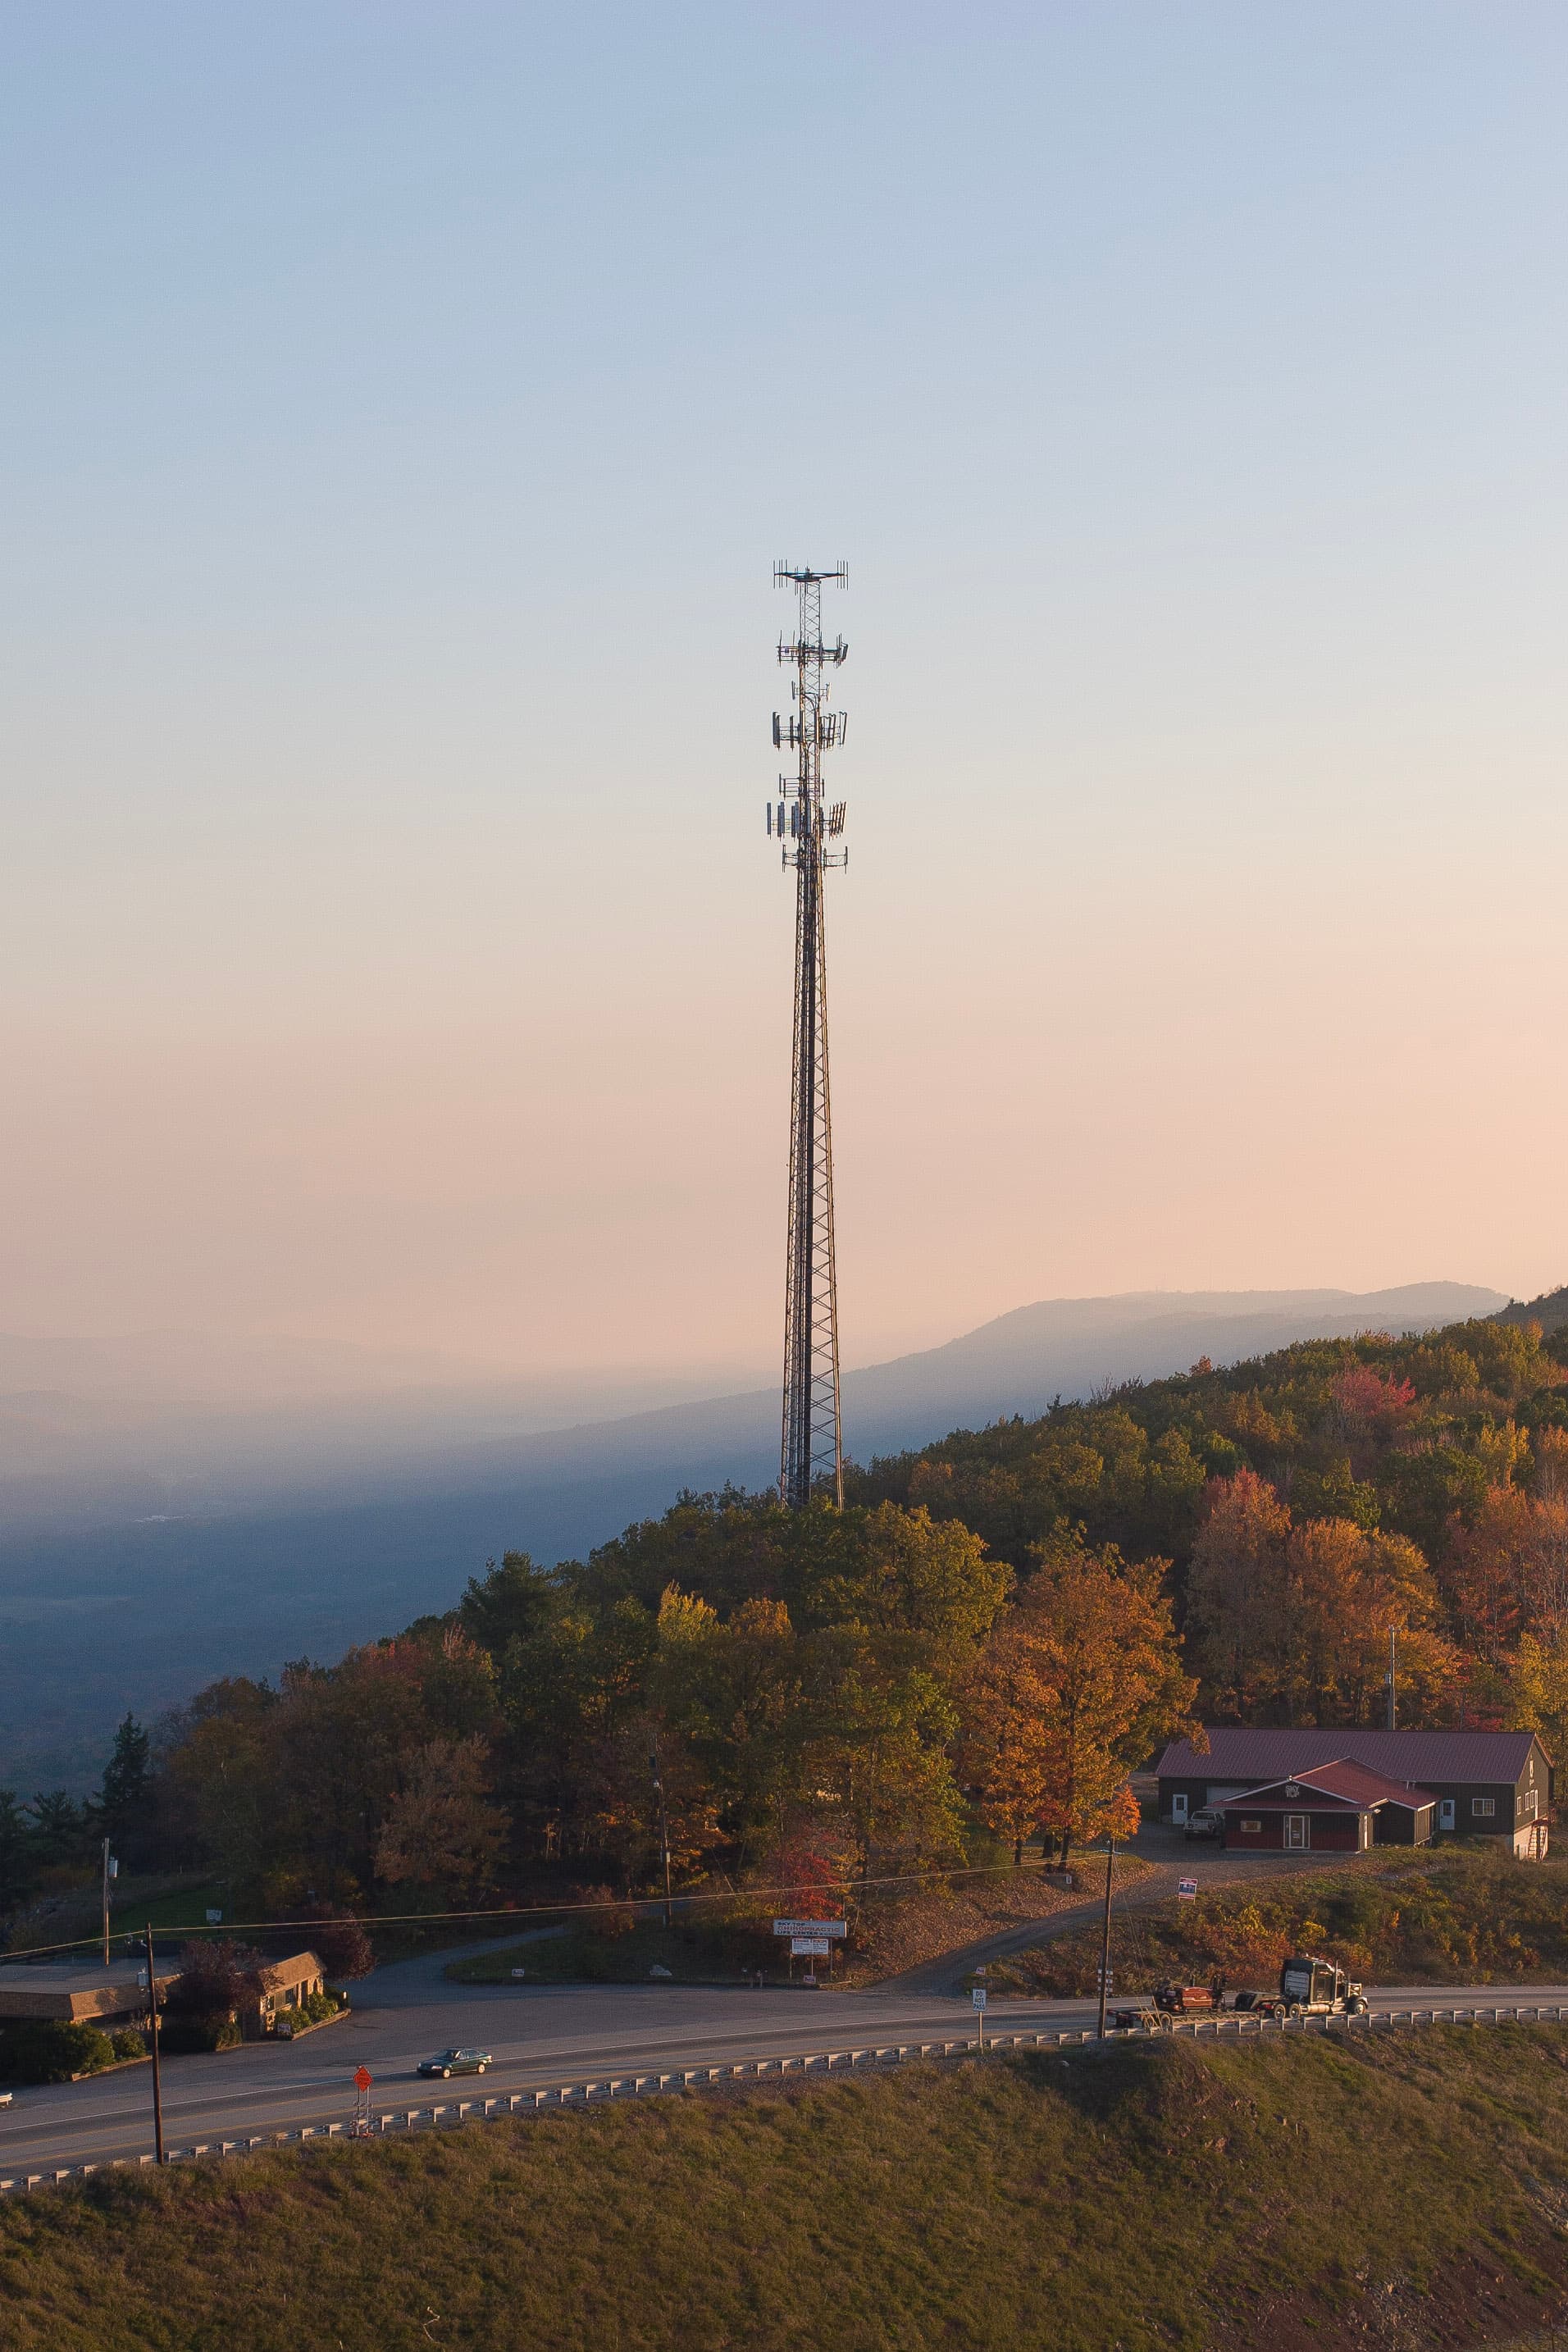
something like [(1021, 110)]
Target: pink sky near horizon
[(390, 948)]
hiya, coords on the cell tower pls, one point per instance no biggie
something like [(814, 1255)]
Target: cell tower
[(811, 1456)]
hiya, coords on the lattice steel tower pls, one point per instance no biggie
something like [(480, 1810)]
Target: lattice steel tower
[(811, 1456)]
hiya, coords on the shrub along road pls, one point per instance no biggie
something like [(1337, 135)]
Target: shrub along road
[(542, 2036)]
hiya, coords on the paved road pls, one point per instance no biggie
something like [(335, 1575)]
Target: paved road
[(543, 2036)]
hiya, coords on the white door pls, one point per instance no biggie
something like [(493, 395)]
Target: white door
[(1297, 1832), (1179, 1810), (1444, 1812)]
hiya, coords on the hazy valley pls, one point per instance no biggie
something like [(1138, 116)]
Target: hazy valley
[(170, 1486)]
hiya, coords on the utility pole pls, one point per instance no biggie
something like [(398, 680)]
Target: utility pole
[(108, 1873), (810, 1452), (157, 2077), (1105, 1937), (1393, 1669), (663, 1827)]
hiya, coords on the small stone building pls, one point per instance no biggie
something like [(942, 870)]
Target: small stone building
[(283, 1986), (77, 1992)]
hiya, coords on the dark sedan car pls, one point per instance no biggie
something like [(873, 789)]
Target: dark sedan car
[(456, 2062)]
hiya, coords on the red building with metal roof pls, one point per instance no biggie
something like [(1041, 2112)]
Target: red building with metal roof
[(1339, 1808), (1483, 1783)]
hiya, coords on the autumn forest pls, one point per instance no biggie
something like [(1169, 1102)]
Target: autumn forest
[(973, 1654)]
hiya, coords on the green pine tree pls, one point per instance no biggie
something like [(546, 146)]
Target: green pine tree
[(18, 1871), (123, 1796)]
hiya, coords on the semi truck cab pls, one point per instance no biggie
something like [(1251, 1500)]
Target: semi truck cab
[(1314, 1988)]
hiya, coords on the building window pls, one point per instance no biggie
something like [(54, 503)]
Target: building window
[(1483, 1808), (1252, 1829), (1527, 1804)]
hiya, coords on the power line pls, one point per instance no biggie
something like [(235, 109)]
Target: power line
[(647, 1904)]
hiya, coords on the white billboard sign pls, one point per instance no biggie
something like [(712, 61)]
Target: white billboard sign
[(811, 1948), (834, 1928)]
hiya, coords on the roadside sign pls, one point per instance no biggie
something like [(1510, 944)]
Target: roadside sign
[(836, 1927), (214, 1918), (363, 2078), (978, 1996), (1187, 1890), (815, 1948)]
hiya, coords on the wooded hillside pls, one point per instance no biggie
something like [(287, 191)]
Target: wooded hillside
[(974, 1652), (1303, 1504)]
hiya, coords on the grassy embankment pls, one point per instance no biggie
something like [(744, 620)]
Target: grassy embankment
[(1456, 1916), (891, 1934), (1409, 2190)]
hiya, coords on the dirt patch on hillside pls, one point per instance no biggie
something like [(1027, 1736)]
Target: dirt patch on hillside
[(904, 1934)]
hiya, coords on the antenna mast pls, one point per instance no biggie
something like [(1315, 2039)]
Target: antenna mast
[(811, 1455)]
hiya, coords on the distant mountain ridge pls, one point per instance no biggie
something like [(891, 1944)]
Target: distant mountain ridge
[(1020, 1361)]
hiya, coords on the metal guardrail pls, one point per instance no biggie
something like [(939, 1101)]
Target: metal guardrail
[(1238, 2026)]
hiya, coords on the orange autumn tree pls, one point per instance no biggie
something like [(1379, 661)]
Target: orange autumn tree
[(1078, 1680), (1234, 1589), (1290, 1619), (1005, 1750), (1506, 1573), (1347, 1590)]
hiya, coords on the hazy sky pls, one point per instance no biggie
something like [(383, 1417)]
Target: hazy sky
[(401, 409)]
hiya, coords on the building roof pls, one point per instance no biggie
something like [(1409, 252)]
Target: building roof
[(74, 1989), (1411, 1758), (1348, 1782), (299, 1968), (73, 1975)]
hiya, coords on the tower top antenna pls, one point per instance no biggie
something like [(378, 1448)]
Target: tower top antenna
[(802, 575)]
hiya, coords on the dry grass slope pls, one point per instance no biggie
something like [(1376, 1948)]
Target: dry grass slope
[(890, 1935), (1410, 2192), (1438, 1916)]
